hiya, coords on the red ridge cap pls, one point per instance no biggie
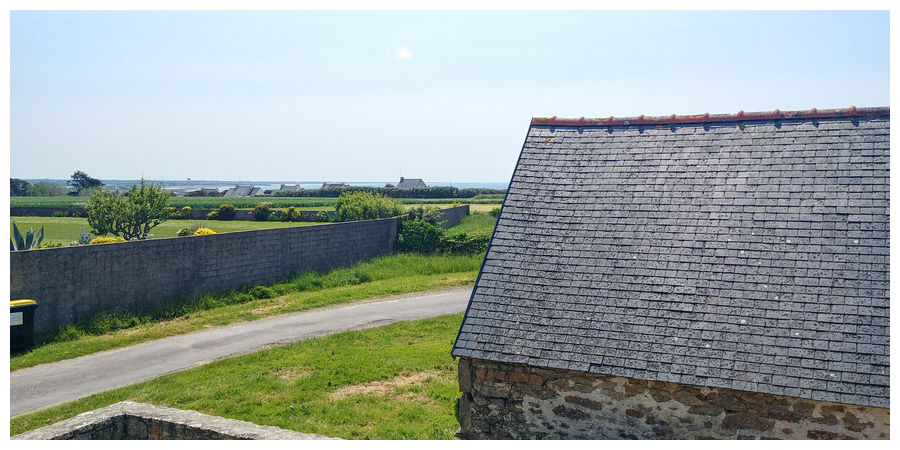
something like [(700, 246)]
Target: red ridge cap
[(710, 118)]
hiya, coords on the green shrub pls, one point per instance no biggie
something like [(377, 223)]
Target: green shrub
[(186, 212), (291, 214), (261, 212), (352, 206), (321, 216), (212, 215), (260, 292), (226, 212), (494, 212), (419, 236), (274, 217), (186, 231), (60, 214)]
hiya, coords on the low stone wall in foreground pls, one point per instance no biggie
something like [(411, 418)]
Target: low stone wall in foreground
[(139, 421)]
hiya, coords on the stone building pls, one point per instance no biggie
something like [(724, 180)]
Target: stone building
[(708, 276), (410, 183)]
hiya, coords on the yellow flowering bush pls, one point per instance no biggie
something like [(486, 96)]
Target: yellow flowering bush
[(107, 240), (203, 232)]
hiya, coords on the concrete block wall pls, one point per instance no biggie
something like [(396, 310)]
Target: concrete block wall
[(452, 216), (71, 284), (517, 401)]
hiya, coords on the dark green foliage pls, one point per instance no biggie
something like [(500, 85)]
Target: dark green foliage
[(261, 212), (494, 212), (205, 193), (226, 212), (186, 212), (428, 214), (419, 236), (392, 192), (479, 192), (422, 237), (83, 182), (18, 188), (352, 206)]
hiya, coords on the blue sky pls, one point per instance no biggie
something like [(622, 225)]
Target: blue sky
[(366, 96)]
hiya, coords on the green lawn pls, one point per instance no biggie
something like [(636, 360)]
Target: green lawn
[(63, 230), (393, 382)]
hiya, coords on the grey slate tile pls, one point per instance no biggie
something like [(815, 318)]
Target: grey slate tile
[(562, 249)]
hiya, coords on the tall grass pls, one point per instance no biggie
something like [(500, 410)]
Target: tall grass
[(476, 223)]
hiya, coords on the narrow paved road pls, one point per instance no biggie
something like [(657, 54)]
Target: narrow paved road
[(41, 386)]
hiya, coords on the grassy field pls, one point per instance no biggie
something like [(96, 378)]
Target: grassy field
[(63, 230), (393, 382)]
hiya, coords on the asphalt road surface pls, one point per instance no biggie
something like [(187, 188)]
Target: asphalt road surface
[(46, 385)]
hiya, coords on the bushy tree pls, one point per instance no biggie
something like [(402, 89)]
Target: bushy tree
[(83, 182), (18, 188), (128, 216), (45, 189), (261, 212), (364, 206)]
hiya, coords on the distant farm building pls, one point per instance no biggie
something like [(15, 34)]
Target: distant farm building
[(409, 183), (687, 277), (243, 191)]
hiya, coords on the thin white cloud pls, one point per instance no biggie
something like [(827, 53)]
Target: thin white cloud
[(403, 53)]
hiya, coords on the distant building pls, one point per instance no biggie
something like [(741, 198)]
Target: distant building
[(333, 185), (409, 183), (243, 191)]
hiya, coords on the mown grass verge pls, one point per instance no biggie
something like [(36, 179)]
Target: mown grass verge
[(393, 382), (384, 276)]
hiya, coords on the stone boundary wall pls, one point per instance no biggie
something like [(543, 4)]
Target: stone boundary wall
[(452, 216), (72, 284), (517, 401), (247, 214), (45, 211), (139, 421)]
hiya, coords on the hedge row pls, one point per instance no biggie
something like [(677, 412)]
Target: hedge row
[(427, 192)]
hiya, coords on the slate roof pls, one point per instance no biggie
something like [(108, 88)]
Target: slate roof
[(409, 183), (242, 191), (746, 251)]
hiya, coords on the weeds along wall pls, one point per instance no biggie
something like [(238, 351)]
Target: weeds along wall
[(71, 284)]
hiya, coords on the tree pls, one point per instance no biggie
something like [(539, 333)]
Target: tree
[(82, 181), (128, 216), (18, 188), (45, 189), (364, 206)]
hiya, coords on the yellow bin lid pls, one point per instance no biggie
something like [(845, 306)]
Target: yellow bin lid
[(21, 302)]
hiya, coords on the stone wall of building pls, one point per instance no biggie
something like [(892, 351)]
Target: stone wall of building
[(516, 401), (72, 284)]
